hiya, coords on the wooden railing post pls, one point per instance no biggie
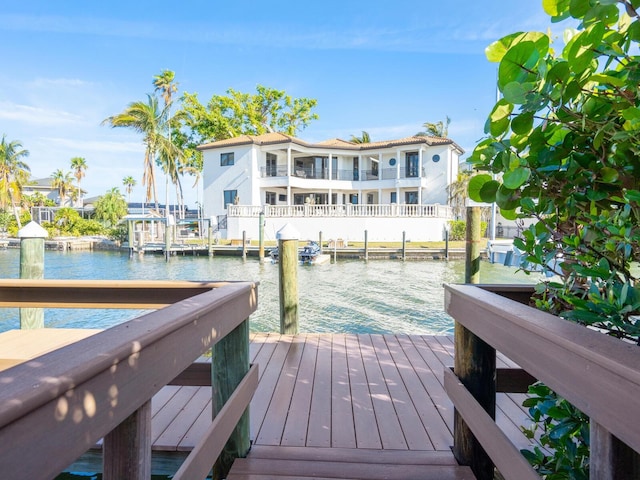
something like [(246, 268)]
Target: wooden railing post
[(244, 245), (126, 450), (474, 365), (230, 363), (611, 459)]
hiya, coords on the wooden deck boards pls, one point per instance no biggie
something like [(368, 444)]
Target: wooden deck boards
[(327, 394)]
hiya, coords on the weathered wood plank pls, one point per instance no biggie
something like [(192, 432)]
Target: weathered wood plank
[(295, 429), (508, 460), (138, 294), (343, 432), (558, 353), (309, 469), (410, 421), (268, 381), (276, 415), (319, 432), (435, 405), (198, 463), (388, 424), (364, 417)]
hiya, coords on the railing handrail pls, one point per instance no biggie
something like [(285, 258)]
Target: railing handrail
[(61, 403), (597, 373), (342, 210)]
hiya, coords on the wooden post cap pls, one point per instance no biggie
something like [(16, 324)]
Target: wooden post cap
[(32, 230), (288, 232)]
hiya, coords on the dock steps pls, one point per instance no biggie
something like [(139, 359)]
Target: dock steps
[(286, 463)]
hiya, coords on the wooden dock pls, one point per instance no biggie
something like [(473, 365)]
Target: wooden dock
[(335, 406)]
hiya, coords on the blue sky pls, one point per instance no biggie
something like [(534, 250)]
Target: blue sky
[(383, 67)]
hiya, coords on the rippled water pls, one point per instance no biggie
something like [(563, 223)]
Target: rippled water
[(381, 296)]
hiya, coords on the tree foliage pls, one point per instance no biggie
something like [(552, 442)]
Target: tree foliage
[(364, 138), (435, 129), (563, 143), (238, 113), (14, 172), (111, 208)]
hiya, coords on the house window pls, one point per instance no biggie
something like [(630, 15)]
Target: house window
[(369, 198), (230, 197), (272, 165), (270, 198), (412, 161), (353, 198), (226, 159), (282, 198), (394, 197), (374, 169), (356, 174), (411, 198)]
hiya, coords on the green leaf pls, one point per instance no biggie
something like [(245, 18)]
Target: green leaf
[(475, 185), (507, 198), (609, 175), (497, 49), (509, 214), (523, 123), (499, 117), (516, 178), (488, 191), (518, 63), (515, 92), (555, 8), (607, 79)]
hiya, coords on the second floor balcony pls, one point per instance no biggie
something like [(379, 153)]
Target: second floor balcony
[(343, 174)]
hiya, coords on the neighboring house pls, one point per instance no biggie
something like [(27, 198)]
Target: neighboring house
[(337, 187), (44, 186)]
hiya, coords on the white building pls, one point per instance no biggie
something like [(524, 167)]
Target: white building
[(335, 187)]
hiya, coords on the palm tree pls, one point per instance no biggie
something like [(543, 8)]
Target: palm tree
[(438, 129), (148, 119), (13, 174), (365, 138), (63, 181), (111, 207), (168, 158), (129, 182), (79, 166), (458, 193)]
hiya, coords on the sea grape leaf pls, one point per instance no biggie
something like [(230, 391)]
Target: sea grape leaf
[(475, 185), (516, 178), (517, 64)]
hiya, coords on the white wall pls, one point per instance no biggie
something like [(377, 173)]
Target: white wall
[(347, 228)]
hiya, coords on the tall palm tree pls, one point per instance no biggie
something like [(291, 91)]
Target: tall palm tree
[(365, 138), (458, 193), (129, 182), (79, 166), (13, 174), (63, 182), (437, 129), (164, 83), (149, 120)]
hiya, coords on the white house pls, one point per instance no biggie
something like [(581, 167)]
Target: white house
[(336, 187)]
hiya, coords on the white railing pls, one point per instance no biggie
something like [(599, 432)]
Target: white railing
[(348, 210)]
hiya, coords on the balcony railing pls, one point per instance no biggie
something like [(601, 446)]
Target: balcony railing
[(348, 210), (342, 174)]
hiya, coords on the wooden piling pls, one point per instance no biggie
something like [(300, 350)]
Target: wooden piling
[(320, 241), (167, 240), (261, 237), (244, 245), (366, 245), (127, 448), (230, 363), (404, 245), (288, 279), (610, 458), (472, 250), (130, 226), (475, 366), (32, 238), (210, 240)]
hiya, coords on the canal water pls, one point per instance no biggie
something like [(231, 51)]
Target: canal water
[(350, 296)]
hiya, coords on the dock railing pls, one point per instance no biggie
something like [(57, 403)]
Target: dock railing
[(598, 374), (55, 407)]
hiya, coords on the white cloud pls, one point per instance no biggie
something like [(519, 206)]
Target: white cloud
[(94, 145), (36, 115)]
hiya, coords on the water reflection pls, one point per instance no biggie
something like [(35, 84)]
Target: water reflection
[(381, 296)]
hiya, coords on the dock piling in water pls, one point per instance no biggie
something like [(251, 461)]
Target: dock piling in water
[(288, 238), (32, 238)]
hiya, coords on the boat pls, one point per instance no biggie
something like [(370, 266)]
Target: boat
[(310, 254)]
